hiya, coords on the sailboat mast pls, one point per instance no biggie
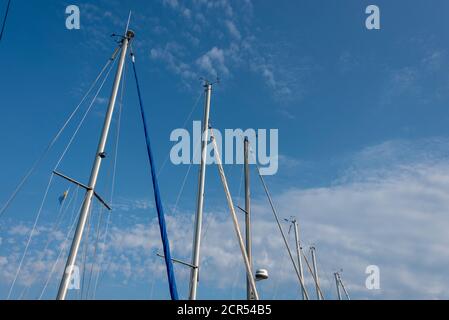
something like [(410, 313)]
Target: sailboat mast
[(337, 283), (298, 251), (249, 293), (315, 273), (200, 197), (99, 156)]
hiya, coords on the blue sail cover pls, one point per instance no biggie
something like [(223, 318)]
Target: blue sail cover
[(157, 196)]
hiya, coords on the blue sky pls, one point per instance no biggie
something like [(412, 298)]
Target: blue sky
[(363, 132)]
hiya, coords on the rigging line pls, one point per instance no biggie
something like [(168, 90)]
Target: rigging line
[(73, 215), (86, 250), (55, 139), (184, 182), (30, 237), (56, 225), (344, 287), (61, 251), (84, 118), (94, 258), (195, 106), (270, 200), (312, 273), (61, 213), (114, 174), (241, 183), (4, 19), (181, 191), (73, 198)]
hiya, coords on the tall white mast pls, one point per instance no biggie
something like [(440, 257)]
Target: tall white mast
[(99, 156), (298, 251), (200, 198), (315, 273), (249, 293), (337, 283)]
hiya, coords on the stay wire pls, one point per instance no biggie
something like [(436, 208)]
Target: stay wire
[(4, 19), (270, 200), (61, 251), (49, 185), (55, 139)]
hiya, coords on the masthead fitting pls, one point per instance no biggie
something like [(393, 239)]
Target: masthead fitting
[(130, 34)]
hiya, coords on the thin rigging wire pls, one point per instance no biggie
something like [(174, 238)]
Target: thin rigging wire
[(49, 185), (83, 119), (4, 20), (183, 126), (55, 139), (30, 237), (61, 251), (59, 218), (241, 183), (94, 258), (279, 225)]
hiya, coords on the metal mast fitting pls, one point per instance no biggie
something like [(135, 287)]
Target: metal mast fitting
[(99, 156)]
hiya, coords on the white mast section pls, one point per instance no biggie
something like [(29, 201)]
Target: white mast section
[(249, 294), (194, 275), (298, 251)]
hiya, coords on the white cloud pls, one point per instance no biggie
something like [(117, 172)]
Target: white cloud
[(170, 54), (174, 4), (213, 62), (232, 28)]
